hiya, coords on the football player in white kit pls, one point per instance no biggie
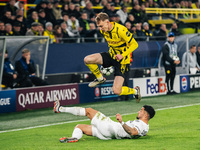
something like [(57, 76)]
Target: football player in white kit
[(103, 127)]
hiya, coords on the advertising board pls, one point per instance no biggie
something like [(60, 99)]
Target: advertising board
[(43, 97), (7, 101)]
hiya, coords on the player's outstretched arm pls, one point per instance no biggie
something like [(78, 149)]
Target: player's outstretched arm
[(129, 130)]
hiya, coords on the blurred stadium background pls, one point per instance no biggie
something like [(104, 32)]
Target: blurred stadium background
[(26, 112)]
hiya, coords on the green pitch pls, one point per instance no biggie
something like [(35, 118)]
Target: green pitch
[(171, 128)]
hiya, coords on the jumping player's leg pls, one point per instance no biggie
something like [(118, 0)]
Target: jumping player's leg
[(119, 89), (91, 62), (117, 85)]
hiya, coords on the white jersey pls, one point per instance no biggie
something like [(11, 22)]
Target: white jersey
[(104, 128)]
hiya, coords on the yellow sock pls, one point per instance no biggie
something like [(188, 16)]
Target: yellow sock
[(127, 91), (95, 70)]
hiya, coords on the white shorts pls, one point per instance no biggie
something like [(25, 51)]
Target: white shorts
[(104, 128)]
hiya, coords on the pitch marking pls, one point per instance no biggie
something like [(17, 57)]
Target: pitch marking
[(47, 125)]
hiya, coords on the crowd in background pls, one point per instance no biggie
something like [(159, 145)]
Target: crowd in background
[(75, 20)]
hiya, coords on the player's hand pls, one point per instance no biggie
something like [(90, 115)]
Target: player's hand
[(80, 29), (28, 57), (119, 117), (177, 62), (118, 57), (14, 76), (198, 69)]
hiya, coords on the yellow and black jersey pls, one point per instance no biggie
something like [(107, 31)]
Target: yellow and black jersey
[(120, 41), (147, 32)]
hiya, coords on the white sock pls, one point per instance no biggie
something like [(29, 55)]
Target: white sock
[(136, 92), (101, 78), (78, 111), (77, 133)]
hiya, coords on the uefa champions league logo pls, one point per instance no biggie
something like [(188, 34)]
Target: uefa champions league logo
[(97, 92)]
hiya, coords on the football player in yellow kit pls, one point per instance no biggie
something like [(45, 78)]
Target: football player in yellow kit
[(121, 43)]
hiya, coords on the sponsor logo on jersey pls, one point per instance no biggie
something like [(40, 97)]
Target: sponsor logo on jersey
[(113, 42), (156, 87), (115, 36)]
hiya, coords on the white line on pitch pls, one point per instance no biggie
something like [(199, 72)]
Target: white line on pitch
[(47, 125)]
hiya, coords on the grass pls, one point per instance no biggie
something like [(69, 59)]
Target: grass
[(170, 129)]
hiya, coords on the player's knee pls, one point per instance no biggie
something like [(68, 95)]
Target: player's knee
[(87, 60), (77, 126), (88, 111), (117, 91), (80, 126)]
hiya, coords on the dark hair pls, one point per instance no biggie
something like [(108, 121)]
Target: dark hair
[(150, 110), (101, 17), (192, 46), (18, 16), (56, 27)]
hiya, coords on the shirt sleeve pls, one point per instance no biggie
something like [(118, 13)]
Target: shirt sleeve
[(140, 128), (130, 41), (184, 60)]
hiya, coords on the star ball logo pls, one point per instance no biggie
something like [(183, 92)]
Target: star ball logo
[(97, 92), (184, 83)]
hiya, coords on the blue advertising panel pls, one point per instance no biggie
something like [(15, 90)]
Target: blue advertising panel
[(184, 83), (102, 92), (7, 101)]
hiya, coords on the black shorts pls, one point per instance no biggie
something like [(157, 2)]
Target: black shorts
[(120, 69)]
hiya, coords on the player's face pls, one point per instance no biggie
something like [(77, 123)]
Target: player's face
[(171, 39), (193, 50), (103, 25), (27, 55), (5, 55), (141, 113)]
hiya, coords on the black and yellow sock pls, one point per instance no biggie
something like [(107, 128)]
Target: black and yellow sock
[(95, 70), (127, 91)]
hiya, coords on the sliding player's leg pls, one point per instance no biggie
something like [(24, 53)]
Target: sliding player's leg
[(78, 111), (77, 134), (80, 129)]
